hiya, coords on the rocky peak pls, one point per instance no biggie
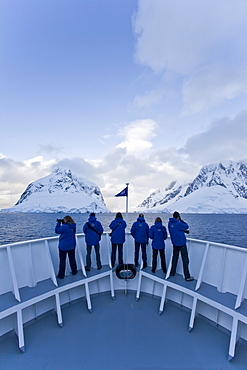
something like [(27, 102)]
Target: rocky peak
[(61, 191), (228, 175)]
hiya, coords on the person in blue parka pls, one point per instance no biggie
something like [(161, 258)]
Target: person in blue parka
[(139, 231), (177, 229), (158, 234), (117, 234), (66, 227), (92, 230)]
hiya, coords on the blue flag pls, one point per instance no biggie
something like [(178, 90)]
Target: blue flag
[(123, 193)]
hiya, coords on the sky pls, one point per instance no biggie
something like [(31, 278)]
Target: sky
[(137, 91)]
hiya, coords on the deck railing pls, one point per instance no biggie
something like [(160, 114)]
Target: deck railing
[(28, 277)]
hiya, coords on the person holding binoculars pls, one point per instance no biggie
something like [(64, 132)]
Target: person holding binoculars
[(177, 228), (66, 227)]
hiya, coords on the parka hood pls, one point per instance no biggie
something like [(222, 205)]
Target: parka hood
[(119, 219), (141, 219), (172, 219), (72, 226), (158, 224), (91, 218)]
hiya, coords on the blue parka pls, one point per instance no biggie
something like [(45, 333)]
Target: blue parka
[(176, 229), (158, 233), (139, 231), (91, 237), (67, 237), (118, 227)]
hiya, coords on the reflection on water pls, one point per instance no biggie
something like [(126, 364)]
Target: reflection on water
[(225, 228)]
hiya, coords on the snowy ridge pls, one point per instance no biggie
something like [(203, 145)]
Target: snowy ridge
[(62, 192), (218, 188)]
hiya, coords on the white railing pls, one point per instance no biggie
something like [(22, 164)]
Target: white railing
[(30, 264), (220, 265)]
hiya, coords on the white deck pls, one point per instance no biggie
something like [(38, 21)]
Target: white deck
[(121, 334), (29, 288)]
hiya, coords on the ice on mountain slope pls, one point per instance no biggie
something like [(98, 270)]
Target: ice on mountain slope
[(61, 191), (218, 188)]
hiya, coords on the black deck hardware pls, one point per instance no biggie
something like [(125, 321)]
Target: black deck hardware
[(126, 271)]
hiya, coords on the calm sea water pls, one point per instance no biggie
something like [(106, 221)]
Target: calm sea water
[(226, 228)]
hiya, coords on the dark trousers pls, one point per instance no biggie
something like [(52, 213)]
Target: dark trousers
[(113, 254), (144, 253), (62, 263), (162, 258), (88, 257), (185, 259)]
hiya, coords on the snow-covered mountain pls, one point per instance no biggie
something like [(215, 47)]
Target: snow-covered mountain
[(218, 188), (61, 191)]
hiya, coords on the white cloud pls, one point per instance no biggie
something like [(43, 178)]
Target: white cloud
[(225, 139), (79, 166), (211, 86), (201, 42), (134, 160), (151, 97), (137, 136), (181, 35), (49, 149), (16, 175)]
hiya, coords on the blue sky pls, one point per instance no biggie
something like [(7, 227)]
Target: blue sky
[(144, 92)]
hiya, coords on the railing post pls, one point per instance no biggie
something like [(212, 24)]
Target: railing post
[(80, 258), (193, 314), (30, 265), (13, 274), (112, 287), (169, 266), (58, 309), (199, 280), (51, 267), (233, 338), (139, 285), (20, 330), (88, 297), (242, 285), (108, 244), (163, 297), (223, 262)]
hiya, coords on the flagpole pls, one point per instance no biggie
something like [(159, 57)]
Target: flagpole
[(127, 200), (127, 256)]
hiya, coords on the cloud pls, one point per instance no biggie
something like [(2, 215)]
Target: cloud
[(79, 166), (134, 160), (112, 159), (225, 139), (49, 149), (211, 86), (149, 99), (137, 136), (181, 35), (16, 175), (202, 43)]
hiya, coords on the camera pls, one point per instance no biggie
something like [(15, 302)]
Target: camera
[(60, 220)]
